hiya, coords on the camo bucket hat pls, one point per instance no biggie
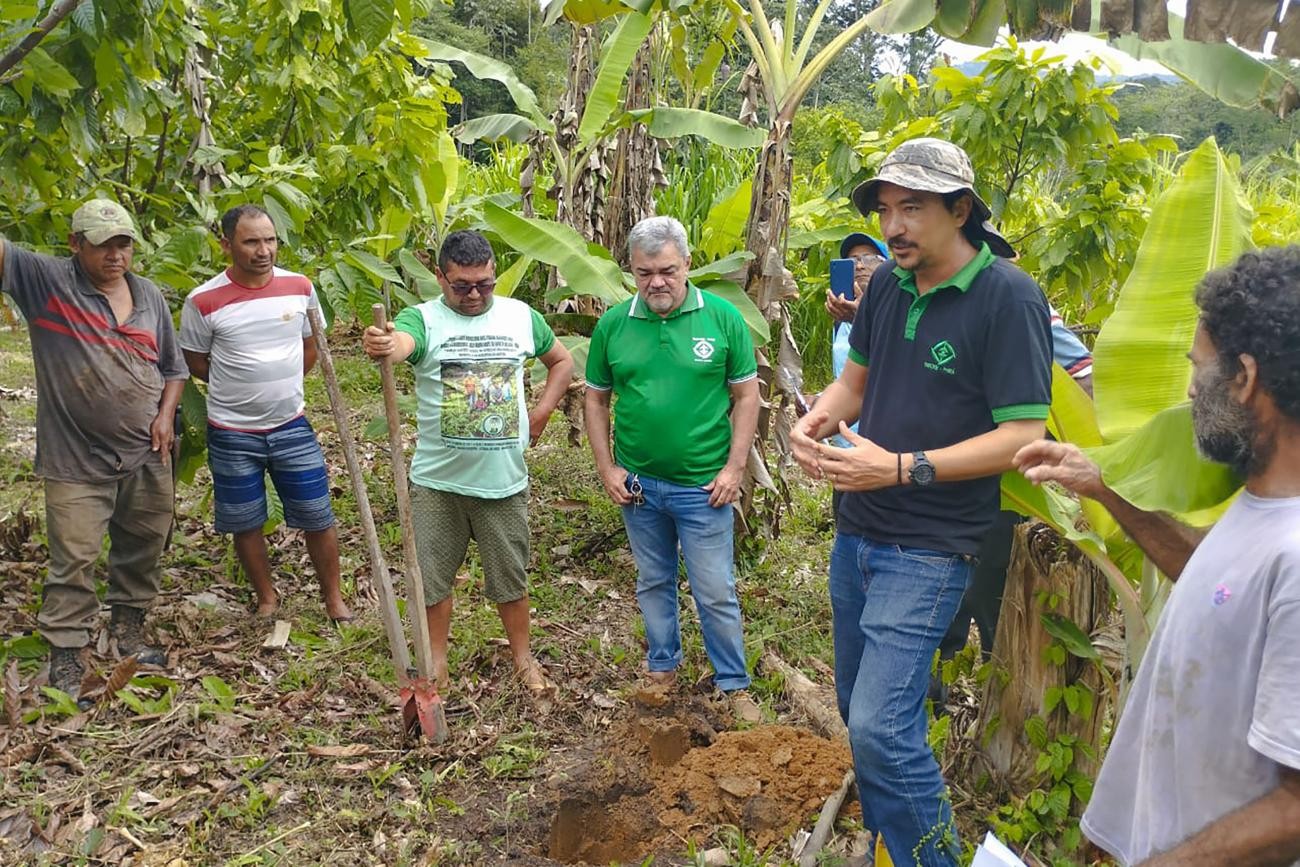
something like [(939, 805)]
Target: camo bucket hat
[(933, 165)]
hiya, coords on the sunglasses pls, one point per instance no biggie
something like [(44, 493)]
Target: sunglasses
[(633, 485), (483, 287)]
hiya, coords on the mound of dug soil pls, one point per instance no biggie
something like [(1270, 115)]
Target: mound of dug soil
[(667, 776)]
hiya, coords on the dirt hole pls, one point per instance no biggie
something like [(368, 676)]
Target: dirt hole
[(666, 775)]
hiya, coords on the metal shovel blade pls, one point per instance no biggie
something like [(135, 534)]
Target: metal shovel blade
[(422, 708)]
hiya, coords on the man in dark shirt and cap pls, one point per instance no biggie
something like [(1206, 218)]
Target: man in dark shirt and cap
[(109, 374), (959, 348)]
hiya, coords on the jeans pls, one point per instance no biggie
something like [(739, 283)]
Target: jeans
[(890, 607), (674, 515)]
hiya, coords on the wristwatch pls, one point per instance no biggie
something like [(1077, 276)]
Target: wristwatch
[(922, 471)]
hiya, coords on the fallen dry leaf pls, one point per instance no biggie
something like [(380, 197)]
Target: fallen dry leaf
[(279, 636), (13, 693), (343, 751)]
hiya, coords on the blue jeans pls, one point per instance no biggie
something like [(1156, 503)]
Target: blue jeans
[(890, 607), (674, 515)]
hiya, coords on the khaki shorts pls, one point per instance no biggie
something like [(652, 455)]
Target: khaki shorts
[(444, 524)]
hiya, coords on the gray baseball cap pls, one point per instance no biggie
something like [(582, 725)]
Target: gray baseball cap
[(101, 219), (933, 165)]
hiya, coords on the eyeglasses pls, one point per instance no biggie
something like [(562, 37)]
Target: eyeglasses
[(633, 485), (867, 258), (483, 287)]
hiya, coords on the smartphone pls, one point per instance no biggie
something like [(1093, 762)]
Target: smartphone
[(842, 277)]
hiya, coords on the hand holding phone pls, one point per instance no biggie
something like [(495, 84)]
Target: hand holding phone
[(842, 278)]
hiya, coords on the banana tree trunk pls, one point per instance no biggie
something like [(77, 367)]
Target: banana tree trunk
[(1043, 567), (637, 172), (770, 286)]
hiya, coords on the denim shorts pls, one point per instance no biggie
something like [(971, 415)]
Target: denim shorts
[(240, 460)]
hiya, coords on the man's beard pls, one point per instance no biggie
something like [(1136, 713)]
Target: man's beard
[(1226, 431)]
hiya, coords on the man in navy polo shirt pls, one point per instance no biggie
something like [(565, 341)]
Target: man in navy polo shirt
[(959, 348)]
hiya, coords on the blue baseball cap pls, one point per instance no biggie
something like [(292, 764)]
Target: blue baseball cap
[(859, 239)]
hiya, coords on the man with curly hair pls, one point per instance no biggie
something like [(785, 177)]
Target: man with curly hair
[(1204, 768)]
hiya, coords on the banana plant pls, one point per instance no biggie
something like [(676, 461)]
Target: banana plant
[(1139, 428), (1144, 29)]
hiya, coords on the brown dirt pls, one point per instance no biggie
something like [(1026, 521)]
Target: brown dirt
[(666, 776)]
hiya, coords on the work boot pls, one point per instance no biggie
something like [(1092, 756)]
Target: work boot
[(127, 626), (744, 708), (66, 670)]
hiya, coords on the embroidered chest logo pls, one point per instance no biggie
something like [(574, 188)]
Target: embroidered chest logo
[(943, 356), (703, 348), (1221, 595)]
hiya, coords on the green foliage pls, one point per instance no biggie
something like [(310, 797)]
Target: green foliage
[(1178, 109), (324, 114)]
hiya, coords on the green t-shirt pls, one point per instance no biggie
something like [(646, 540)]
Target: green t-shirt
[(469, 384), (671, 378)]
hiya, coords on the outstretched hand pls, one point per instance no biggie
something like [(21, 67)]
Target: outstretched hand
[(379, 343), (1063, 463)]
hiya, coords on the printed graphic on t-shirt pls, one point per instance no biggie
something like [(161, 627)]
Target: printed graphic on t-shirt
[(480, 408)]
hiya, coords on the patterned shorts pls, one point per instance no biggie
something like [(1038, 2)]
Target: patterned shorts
[(444, 524), (240, 461)]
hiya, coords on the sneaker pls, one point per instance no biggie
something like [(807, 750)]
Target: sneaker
[(127, 626), (66, 670), (744, 708)]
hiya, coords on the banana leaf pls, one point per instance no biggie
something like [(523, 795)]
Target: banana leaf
[(508, 280), (1222, 70), (492, 127), (668, 122), (487, 68), (616, 59), (561, 247), (1158, 467), (1140, 365), (724, 227), (720, 267), (759, 330)]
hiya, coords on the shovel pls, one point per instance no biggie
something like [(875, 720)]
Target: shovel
[(421, 704), (378, 569)]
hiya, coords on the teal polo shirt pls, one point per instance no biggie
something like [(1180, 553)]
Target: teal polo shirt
[(945, 366), (671, 377)]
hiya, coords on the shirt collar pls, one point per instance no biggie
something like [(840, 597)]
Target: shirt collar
[(693, 301), (961, 281)]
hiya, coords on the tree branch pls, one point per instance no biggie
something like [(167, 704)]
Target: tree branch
[(58, 12)]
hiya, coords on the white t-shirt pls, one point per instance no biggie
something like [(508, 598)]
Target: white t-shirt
[(253, 338), (1215, 708)]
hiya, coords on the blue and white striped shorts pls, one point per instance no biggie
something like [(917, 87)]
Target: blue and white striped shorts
[(240, 460)]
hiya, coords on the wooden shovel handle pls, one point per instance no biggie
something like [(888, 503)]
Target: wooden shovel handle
[(378, 569), (414, 582)]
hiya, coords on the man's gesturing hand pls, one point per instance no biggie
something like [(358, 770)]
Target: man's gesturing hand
[(864, 467), (803, 443), (1063, 463), (725, 487)]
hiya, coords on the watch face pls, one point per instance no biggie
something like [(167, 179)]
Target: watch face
[(922, 472)]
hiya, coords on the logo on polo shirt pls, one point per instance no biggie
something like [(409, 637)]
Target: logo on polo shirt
[(703, 348), (944, 355)]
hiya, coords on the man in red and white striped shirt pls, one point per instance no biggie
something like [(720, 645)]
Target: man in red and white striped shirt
[(246, 333)]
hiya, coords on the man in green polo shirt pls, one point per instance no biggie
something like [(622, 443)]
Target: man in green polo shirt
[(677, 358), (959, 347)]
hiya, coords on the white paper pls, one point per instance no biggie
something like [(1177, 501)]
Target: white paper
[(994, 853)]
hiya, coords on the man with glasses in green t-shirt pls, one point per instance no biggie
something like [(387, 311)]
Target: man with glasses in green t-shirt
[(468, 478), (678, 358)]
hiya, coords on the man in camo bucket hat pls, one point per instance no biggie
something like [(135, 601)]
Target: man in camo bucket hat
[(933, 165), (948, 375)]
